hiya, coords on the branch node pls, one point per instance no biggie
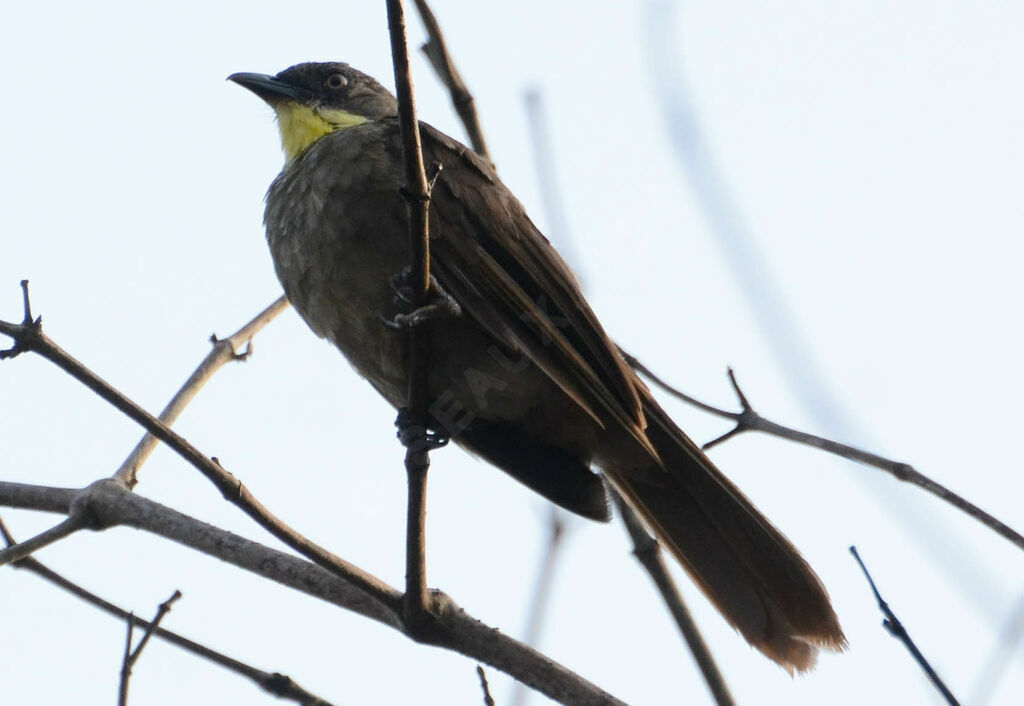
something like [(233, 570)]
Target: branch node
[(27, 333), (83, 509), (244, 355), (903, 471), (427, 623), (413, 197), (738, 429), (895, 628)]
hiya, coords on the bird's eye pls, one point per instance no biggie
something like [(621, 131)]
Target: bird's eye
[(336, 80)]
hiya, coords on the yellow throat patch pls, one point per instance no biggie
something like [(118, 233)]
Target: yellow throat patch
[(302, 125)]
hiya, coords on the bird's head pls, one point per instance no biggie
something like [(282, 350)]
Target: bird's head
[(312, 100)]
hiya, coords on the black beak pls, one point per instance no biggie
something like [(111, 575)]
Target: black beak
[(271, 89)]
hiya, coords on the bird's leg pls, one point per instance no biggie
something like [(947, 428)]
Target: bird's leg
[(440, 303)]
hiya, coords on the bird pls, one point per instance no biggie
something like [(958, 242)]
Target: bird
[(521, 372)]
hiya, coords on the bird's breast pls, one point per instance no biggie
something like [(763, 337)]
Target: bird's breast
[(336, 228)]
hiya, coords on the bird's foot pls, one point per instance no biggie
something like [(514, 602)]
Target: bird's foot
[(416, 436), (440, 303)]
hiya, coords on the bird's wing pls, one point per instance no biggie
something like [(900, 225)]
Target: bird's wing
[(488, 254)]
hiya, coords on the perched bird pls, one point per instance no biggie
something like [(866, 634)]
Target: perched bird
[(523, 375)]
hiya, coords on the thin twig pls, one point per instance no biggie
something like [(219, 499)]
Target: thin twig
[(224, 350), (437, 52), (273, 683), (162, 610), (488, 699), (648, 553), (31, 337), (129, 659), (896, 629), (126, 666), (749, 420)]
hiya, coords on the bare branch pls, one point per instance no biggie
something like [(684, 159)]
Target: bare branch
[(896, 629), (416, 191), (129, 659), (749, 420), (162, 610), (32, 338), (126, 666), (648, 553), (273, 683), (224, 350), (488, 699), (72, 524), (112, 504), (462, 100)]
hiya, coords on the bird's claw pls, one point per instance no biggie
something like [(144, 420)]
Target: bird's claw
[(415, 436), (441, 304)]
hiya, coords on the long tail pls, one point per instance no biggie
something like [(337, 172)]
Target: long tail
[(749, 570)]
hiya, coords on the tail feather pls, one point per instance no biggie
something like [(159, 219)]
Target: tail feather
[(746, 567)]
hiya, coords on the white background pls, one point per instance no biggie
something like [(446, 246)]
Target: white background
[(875, 151)]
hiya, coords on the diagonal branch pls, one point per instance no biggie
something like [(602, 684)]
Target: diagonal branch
[(749, 420), (132, 656), (648, 553), (224, 350), (16, 552), (896, 629), (112, 504), (437, 52), (30, 337), (273, 683)]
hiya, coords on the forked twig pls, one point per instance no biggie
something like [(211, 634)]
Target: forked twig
[(749, 420), (132, 656)]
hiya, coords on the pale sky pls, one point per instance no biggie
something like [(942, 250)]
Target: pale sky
[(875, 153)]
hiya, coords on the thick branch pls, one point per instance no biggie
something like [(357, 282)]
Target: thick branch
[(114, 505), (111, 504)]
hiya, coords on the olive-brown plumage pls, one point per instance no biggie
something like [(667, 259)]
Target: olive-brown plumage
[(525, 376)]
